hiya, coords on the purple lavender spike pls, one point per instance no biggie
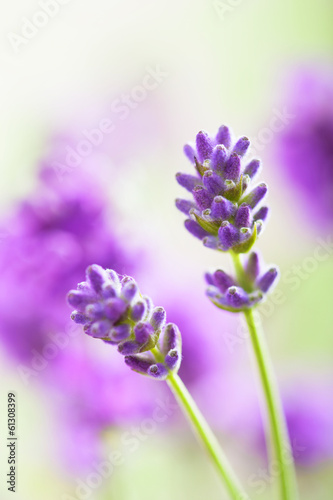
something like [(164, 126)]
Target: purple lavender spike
[(79, 318), (184, 205), (120, 332), (100, 329), (222, 280), (204, 146), (140, 362), (241, 146), (243, 216), (212, 182), (80, 299), (143, 332), (219, 157), (189, 152), (221, 208), (202, 198), (223, 136), (252, 168), (138, 311), (96, 276), (172, 359), (228, 235), (256, 195), (115, 308), (267, 280), (236, 297), (261, 214), (158, 371), (129, 290), (158, 318), (187, 181), (252, 267), (232, 168), (129, 347)]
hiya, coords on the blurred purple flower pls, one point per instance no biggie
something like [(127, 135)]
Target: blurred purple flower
[(305, 147), (50, 239)]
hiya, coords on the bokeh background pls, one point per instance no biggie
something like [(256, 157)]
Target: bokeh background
[(263, 68)]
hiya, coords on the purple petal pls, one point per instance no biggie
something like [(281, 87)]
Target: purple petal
[(158, 318), (221, 208), (138, 311), (189, 152), (222, 280), (232, 168), (243, 216), (120, 332), (267, 280), (212, 182), (97, 277), (193, 227), (171, 338), (256, 195), (236, 297), (100, 329), (184, 205), (115, 308), (129, 347), (228, 235), (143, 332), (158, 371), (252, 267), (140, 363), (261, 214), (202, 198), (187, 181), (252, 168), (172, 359)]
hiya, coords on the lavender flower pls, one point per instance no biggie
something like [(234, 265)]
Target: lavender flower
[(228, 293), (224, 213), (111, 308)]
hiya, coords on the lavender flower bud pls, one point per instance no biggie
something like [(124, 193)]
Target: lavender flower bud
[(221, 208), (219, 157), (241, 146), (127, 320), (232, 168), (223, 136), (228, 235), (267, 280), (252, 168), (261, 214), (255, 197), (204, 146), (202, 197), (184, 205), (243, 216), (212, 182), (189, 152), (187, 181), (196, 230)]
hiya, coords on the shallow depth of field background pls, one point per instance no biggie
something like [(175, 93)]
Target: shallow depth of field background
[(222, 62)]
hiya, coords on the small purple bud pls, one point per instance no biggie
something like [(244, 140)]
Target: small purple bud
[(184, 205), (219, 157), (139, 363), (129, 347), (100, 329), (202, 198), (189, 152), (79, 299), (241, 146), (79, 318), (120, 332), (267, 280), (228, 235), (158, 371), (115, 308), (108, 291), (210, 279), (172, 359), (94, 311), (261, 214), (243, 216), (97, 277), (211, 242), (138, 311), (171, 338), (196, 230), (232, 168), (143, 332), (212, 182), (158, 318), (204, 146), (187, 181), (223, 136), (149, 305), (252, 168), (236, 297), (256, 195), (222, 280), (221, 208), (129, 290), (252, 267)]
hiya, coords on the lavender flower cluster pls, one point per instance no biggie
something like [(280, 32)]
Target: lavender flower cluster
[(222, 214), (111, 308), (227, 293)]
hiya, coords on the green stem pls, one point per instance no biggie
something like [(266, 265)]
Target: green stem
[(206, 436), (280, 447)]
